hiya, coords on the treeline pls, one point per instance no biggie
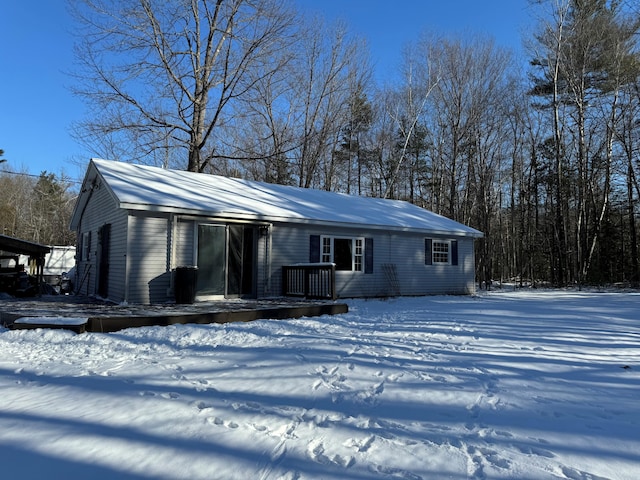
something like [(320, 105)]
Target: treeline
[(36, 208), (542, 158)]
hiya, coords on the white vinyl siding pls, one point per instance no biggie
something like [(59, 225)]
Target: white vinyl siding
[(149, 272), (184, 249), (117, 257), (398, 263), (398, 259), (101, 210)]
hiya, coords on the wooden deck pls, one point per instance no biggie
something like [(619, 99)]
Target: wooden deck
[(51, 312)]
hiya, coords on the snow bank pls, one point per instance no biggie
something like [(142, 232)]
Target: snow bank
[(71, 321)]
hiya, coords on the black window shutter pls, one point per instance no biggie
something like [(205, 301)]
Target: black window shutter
[(454, 252), (368, 255), (428, 259), (314, 248)]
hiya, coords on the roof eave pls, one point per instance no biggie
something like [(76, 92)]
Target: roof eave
[(297, 220), (83, 197)]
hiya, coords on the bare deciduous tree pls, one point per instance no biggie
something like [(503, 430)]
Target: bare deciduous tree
[(292, 119), (319, 90), (421, 75), (162, 78)]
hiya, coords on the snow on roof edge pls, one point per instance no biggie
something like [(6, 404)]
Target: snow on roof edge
[(142, 187)]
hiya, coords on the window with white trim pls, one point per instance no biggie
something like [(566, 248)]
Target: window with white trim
[(358, 244), (326, 250), (438, 251), (347, 253)]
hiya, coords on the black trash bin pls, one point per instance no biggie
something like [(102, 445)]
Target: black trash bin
[(184, 285)]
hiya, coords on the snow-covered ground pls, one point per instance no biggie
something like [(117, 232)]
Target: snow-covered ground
[(512, 385)]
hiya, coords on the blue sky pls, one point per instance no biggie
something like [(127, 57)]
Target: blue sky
[(37, 108)]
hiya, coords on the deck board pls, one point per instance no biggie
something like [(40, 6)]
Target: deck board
[(105, 317)]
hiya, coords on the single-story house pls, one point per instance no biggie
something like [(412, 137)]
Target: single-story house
[(137, 225)]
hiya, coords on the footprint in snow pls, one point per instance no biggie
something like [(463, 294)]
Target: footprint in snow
[(203, 406), (222, 423), (317, 453), (360, 445), (394, 377), (479, 457), (259, 428), (397, 472), (540, 452), (573, 474), (170, 395)]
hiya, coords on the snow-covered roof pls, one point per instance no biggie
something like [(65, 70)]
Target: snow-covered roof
[(141, 187)]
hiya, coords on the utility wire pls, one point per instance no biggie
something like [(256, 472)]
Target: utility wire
[(38, 176)]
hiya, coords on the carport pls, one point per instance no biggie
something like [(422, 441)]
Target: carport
[(12, 248)]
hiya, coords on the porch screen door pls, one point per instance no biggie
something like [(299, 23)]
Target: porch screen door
[(211, 259)]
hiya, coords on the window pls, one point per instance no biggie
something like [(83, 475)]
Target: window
[(326, 250), (357, 254), (85, 246), (349, 254), (440, 252), (346, 253)]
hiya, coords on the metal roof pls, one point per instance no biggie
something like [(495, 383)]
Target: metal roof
[(22, 247)]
